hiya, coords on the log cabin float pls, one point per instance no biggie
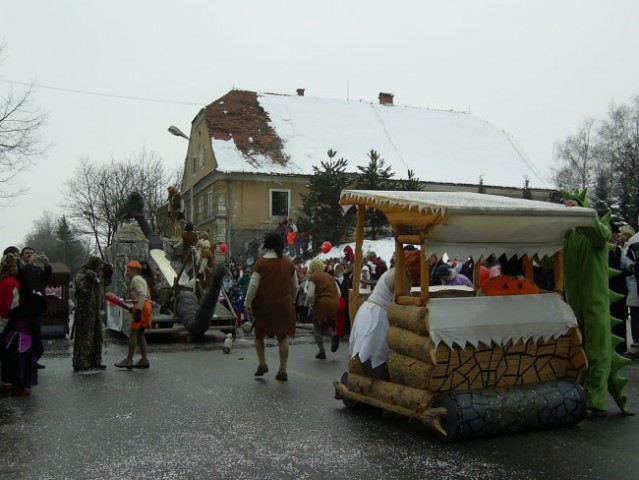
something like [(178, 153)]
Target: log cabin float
[(468, 365)]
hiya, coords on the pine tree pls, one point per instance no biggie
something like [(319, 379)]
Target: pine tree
[(527, 193), (321, 204), (374, 176), (73, 251), (481, 188), (410, 184)]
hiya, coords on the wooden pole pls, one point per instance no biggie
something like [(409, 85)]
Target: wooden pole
[(400, 266), (424, 281), (558, 272), (354, 298)]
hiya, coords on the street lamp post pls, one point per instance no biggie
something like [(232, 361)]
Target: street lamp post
[(173, 130)]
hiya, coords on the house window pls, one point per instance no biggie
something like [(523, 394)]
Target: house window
[(202, 158), (194, 165), (280, 203), (209, 204), (200, 208)]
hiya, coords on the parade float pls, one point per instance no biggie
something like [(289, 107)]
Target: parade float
[(179, 301), (469, 365)]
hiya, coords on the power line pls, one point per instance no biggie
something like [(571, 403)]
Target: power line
[(99, 94)]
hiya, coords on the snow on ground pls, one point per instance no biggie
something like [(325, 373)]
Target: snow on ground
[(384, 248)]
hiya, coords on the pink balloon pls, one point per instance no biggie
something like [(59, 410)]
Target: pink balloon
[(326, 247), (223, 247)]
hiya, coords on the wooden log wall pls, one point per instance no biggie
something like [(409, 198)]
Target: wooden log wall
[(414, 360), (517, 363), (577, 360)]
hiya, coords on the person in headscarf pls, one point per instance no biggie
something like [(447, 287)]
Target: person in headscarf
[(87, 323)]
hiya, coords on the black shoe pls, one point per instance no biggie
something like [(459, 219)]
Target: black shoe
[(128, 364), (321, 356), (142, 363), (596, 413), (99, 367), (334, 343), (39, 366), (281, 376), (261, 370)]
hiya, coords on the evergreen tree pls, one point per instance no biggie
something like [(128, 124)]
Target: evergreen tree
[(527, 193), (374, 176), (410, 184), (481, 188), (73, 251), (321, 203)]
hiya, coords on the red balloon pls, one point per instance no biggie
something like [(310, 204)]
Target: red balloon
[(326, 247), (223, 247)]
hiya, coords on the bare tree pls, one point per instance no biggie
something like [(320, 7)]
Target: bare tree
[(619, 152), (95, 194), (19, 140), (576, 156)]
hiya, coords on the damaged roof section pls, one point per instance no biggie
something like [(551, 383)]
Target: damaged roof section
[(238, 116)]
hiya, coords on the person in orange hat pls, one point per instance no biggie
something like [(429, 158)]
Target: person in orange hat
[(140, 317)]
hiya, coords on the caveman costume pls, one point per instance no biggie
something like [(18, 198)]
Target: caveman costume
[(587, 293)]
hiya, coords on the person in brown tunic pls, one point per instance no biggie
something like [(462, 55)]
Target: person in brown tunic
[(323, 296), (270, 300)]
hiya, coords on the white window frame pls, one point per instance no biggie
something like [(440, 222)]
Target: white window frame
[(271, 192)]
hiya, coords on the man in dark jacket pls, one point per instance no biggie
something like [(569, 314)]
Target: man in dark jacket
[(34, 278)]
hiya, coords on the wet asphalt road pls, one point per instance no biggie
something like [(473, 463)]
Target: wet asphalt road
[(199, 413)]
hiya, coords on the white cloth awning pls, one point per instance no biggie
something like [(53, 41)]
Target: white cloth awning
[(498, 319)]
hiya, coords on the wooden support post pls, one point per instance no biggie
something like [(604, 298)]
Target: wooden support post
[(530, 273), (477, 273), (558, 272), (399, 269), (354, 299), (424, 273)]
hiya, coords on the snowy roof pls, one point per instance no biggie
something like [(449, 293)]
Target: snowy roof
[(463, 224), (439, 146)]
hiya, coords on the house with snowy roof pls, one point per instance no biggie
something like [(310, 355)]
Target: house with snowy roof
[(250, 156)]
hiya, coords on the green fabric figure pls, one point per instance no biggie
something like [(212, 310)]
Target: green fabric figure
[(586, 286)]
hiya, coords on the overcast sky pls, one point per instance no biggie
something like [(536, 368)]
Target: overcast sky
[(114, 75)]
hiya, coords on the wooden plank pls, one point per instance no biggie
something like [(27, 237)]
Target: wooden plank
[(431, 416), (409, 239), (408, 300)]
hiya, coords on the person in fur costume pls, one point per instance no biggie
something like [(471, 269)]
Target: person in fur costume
[(587, 293), (175, 210)]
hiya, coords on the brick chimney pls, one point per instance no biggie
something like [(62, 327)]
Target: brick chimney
[(300, 92), (385, 98)]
